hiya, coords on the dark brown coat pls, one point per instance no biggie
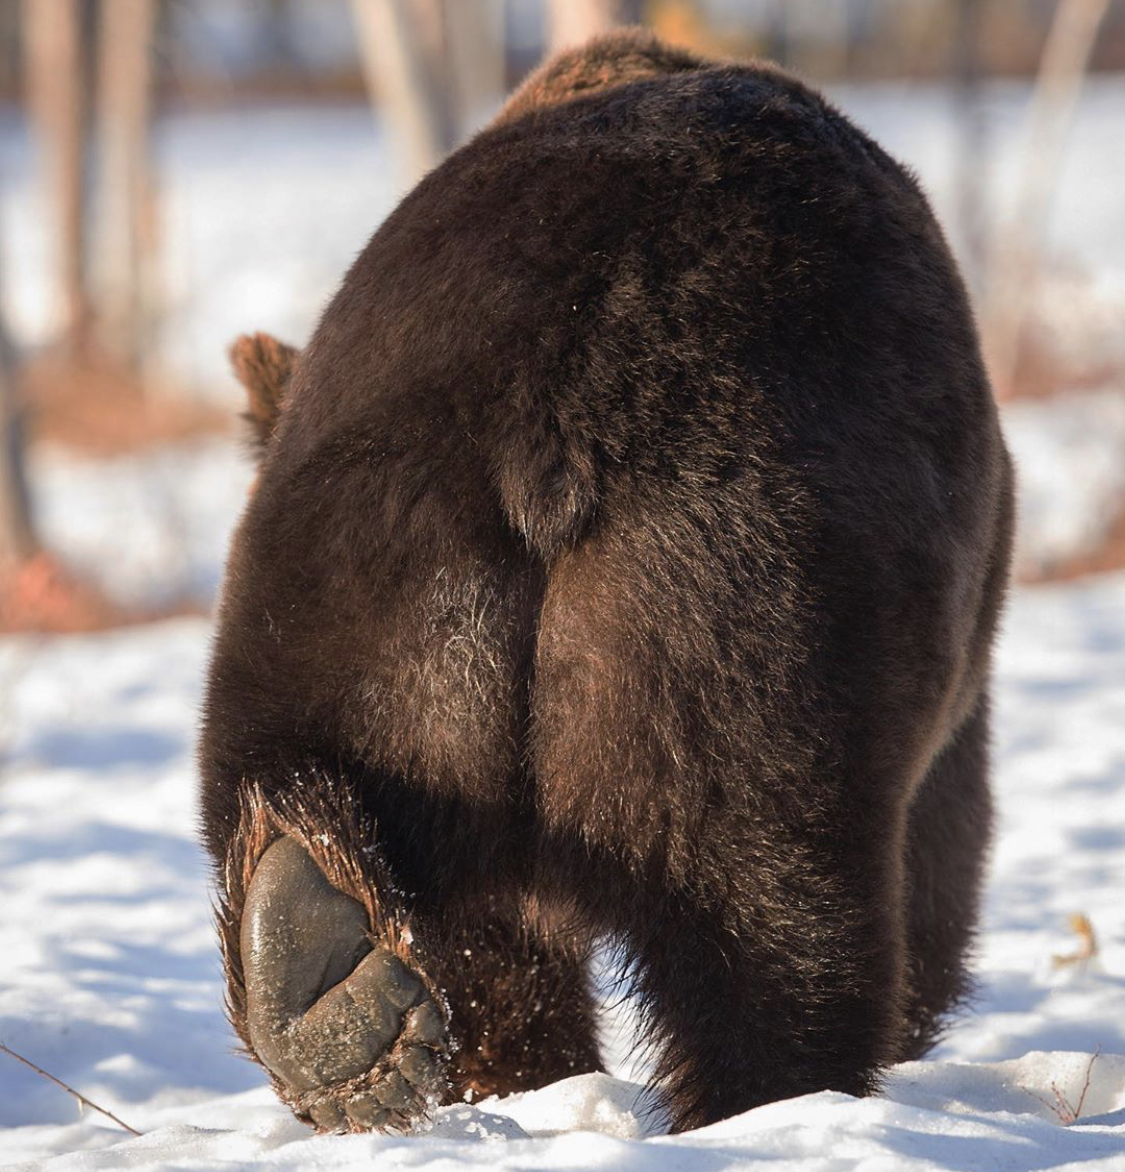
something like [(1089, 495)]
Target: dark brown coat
[(629, 553)]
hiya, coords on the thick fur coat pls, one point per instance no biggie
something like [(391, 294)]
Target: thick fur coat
[(625, 561)]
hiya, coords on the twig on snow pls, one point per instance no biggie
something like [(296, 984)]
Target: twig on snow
[(69, 1089), (1061, 1106)]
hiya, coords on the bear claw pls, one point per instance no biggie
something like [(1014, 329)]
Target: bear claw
[(351, 1032)]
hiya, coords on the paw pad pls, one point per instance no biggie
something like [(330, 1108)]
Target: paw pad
[(351, 1031)]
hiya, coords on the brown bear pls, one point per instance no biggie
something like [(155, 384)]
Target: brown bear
[(624, 563)]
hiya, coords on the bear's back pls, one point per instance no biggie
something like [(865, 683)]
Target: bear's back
[(692, 270)]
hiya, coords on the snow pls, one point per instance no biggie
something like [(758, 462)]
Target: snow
[(1070, 461), (182, 502), (111, 975)]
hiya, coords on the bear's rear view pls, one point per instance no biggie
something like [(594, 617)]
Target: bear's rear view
[(624, 562)]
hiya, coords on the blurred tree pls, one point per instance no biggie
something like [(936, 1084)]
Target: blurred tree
[(275, 29), (125, 204), (36, 592), (17, 536), (779, 36), (433, 65), (571, 22), (972, 158), (9, 47), (55, 76), (403, 48), (860, 20), (475, 36), (1015, 267)]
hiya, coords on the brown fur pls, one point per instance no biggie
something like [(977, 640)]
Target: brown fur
[(604, 63), (632, 543), (264, 367)]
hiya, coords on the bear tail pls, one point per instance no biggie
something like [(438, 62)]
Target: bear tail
[(548, 486)]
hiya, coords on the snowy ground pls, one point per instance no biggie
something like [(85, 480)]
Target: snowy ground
[(110, 971)]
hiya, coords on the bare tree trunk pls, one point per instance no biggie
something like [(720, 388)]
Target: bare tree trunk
[(402, 44), (1057, 89), (126, 201), (55, 73), (972, 158), (779, 40), (570, 22), (9, 40), (475, 38), (275, 32), (17, 536), (859, 15)]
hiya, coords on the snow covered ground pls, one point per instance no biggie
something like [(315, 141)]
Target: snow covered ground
[(110, 974), (151, 527)]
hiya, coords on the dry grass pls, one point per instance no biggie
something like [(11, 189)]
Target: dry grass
[(1061, 1106), (1080, 925), (101, 409), (42, 597)]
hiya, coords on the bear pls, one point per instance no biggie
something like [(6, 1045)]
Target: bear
[(623, 566)]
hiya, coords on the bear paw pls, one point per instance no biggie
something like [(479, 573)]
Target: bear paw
[(351, 1030)]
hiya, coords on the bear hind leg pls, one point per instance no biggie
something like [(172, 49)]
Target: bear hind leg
[(324, 986), (522, 1008), (365, 1013), (947, 842), (741, 1019)]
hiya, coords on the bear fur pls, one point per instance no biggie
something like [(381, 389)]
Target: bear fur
[(624, 563), (264, 366)]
